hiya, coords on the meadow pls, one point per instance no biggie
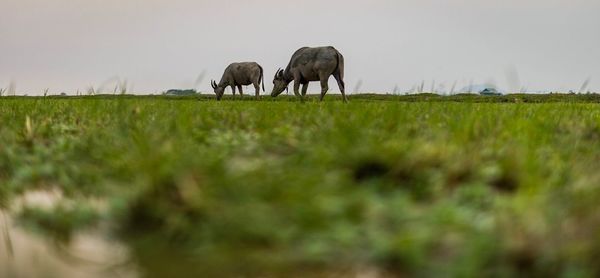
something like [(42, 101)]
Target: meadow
[(410, 186)]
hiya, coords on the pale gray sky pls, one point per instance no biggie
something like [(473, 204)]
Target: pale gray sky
[(66, 45)]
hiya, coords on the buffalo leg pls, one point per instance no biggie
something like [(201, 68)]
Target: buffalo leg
[(257, 88), (342, 86), (297, 81), (297, 88), (240, 89), (233, 89), (304, 88), (324, 87)]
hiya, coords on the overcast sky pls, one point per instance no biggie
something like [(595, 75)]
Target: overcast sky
[(70, 45)]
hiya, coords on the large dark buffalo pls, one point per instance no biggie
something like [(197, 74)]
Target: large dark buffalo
[(311, 64), (238, 75)]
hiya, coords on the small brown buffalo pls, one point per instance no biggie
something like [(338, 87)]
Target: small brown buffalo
[(238, 75)]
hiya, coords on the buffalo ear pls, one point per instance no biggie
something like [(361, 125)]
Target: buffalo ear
[(280, 73), (213, 84)]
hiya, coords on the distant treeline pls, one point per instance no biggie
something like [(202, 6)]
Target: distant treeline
[(509, 98)]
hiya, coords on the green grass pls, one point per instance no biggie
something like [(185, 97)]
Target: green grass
[(409, 185)]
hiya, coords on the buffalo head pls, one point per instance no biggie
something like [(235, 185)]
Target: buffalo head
[(279, 83), (219, 91)]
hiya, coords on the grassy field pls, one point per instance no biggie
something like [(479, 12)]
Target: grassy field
[(421, 186)]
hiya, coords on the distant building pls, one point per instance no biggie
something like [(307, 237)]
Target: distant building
[(489, 92), (477, 88)]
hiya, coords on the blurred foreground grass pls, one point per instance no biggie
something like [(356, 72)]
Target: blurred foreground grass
[(419, 187)]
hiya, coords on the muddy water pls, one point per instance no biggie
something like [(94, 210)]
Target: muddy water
[(88, 254)]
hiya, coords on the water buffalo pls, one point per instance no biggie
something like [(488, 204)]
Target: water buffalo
[(311, 64), (238, 75)]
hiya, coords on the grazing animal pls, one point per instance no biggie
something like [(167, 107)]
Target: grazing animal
[(238, 75), (311, 64)]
